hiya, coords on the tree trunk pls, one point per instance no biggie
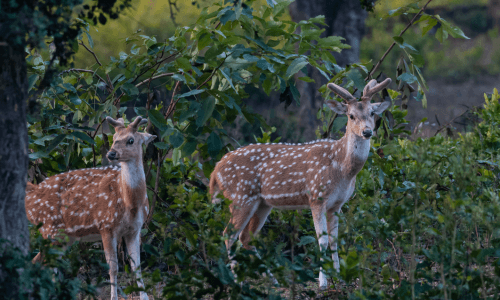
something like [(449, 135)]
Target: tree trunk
[(14, 149), (345, 18)]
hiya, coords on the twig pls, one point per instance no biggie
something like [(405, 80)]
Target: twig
[(213, 73), (141, 83), (172, 104), (159, 63), (92, 52), (374, 68), (449, 123)]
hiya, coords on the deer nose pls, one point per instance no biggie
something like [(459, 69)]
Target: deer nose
[(367, 133), (112, 155)]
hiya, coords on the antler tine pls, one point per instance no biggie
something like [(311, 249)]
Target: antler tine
[(135, 124), (116, 123), (372, 88), (341, 92)]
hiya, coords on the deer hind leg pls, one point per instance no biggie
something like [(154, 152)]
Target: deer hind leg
[(133, 247), (255, 225), (320, 225), (109, 242), (240, 216)]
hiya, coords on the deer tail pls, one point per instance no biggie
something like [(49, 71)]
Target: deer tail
[(214, 188)]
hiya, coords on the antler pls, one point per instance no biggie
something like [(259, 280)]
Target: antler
[(372, 88), (341, 92), (120, 123), (138, 122)]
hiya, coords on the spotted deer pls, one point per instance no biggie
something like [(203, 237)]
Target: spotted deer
[(105, 203), (319, 175)]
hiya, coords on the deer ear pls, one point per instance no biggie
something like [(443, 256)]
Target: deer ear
[(379, 108), (147, 138), (337, 107)]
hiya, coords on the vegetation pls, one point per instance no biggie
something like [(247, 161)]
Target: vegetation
[(423, 221)]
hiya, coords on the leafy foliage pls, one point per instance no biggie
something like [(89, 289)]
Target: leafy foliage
[(422, 223)]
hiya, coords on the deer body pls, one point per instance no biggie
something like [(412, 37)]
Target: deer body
[(320, 175), (107, 203)]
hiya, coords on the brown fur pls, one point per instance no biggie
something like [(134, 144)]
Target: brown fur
[(320, 175), (107, 203)]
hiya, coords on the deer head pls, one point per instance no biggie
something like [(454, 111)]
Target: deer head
[(127, 142), (361, 113)]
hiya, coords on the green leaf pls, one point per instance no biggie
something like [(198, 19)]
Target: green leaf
[(162, 145), (453, 30), (305, 240), (130, 89), (83, 137), (189, 147), (205, 112), (214, 144), (296, 65), (430, 24), (75, 99), (407, 77), (89, 38), (176, 139), (356, 77), (339, 123), (31, 81), (157, 119), (190, 93), (441, 34), (225, 73)]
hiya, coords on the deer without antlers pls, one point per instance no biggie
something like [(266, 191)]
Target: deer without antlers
[(320, 175), (105, 203)]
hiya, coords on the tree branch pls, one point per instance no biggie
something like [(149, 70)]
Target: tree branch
[(374, 68), (92, 52)]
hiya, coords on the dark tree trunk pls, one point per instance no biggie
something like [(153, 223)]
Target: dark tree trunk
[(345, 18), (14, 148)]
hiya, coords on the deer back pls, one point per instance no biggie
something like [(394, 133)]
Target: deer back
[(80, 202)]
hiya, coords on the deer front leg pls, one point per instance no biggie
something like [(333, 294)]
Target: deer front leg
[(109, 242), (333, 233), (320, 225), (133, 248)]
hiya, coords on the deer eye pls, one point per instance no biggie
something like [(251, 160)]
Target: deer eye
[(373, 113), (351, 116), (130, 141)]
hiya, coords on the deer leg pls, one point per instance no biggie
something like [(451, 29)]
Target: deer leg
[(254, 225), (133, 248), (240, 216), (109, 242), (320, 225), (333, 232)]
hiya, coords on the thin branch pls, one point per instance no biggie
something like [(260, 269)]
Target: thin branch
[(213, 73), (143, 82), (92, 52), (172, 104), (374, 68), (153, 78), (159, 63)]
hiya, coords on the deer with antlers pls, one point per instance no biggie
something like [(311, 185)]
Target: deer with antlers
[(107, 203), (319, 175)]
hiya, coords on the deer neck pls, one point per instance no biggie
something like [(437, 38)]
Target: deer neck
[(356, 151), (133, 182)]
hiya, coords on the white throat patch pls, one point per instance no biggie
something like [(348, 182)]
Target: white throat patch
[(132, 173)]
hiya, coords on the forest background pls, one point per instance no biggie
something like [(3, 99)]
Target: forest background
[(423, 221)]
